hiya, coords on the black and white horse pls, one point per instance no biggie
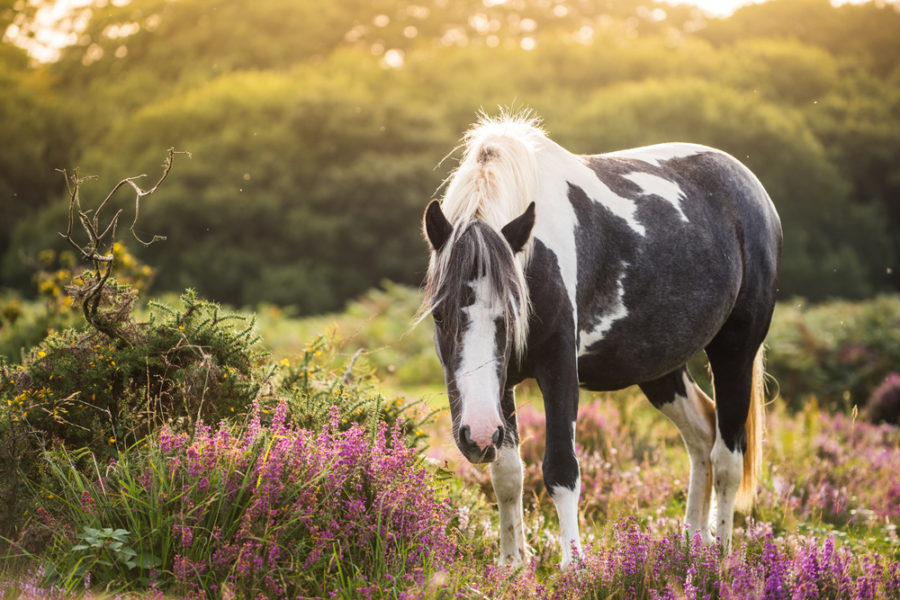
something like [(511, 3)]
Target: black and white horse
[(601, 271)]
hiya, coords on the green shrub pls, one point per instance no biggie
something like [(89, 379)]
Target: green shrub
[(381, 322), (837, 352), (313, 388), (81, 388)]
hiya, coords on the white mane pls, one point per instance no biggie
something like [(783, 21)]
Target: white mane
[(497, 176), (495, 182)]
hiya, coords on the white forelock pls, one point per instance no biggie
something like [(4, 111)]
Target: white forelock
[(497, 176)]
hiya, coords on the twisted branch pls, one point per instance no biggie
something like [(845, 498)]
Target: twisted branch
[(99, 247)]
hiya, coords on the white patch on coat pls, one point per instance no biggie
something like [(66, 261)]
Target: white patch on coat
[(653, 185), (658, 153), (615, 312), (555, 228), (728, 469), (476, 378), (556, 221), (506, 477), (566, 502)]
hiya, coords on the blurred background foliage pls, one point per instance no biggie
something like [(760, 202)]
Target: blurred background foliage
[(318, 129)]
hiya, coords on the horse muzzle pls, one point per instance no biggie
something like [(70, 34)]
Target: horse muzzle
[(482, 445)]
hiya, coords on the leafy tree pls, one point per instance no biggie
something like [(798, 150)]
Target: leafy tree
[(34, 127), (316, 128), (304, 188), (860, 130), (865, 33)]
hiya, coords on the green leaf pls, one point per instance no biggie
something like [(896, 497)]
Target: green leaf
[(149, 561)]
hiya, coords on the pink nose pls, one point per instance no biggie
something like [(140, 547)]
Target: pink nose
[(482, 436)]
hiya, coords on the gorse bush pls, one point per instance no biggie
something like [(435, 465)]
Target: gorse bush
[(25, 323), (313, 389), (271, 509), (85, 389)]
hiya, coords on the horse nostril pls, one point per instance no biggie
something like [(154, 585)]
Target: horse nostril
[(497, 438), (465, 437)]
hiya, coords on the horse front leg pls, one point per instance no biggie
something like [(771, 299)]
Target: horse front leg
[(558, 380), (506, 477)]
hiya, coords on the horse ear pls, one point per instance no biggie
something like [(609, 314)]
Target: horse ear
[(518, 230), (437, 227)]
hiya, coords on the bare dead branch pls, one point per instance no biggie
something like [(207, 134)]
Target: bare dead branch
[(348, 374), (98, 250), (113, 193), (167, 166)]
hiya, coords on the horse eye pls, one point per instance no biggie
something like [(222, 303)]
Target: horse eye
[(437, 318)]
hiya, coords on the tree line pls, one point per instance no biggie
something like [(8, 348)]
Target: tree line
[(319, 131)]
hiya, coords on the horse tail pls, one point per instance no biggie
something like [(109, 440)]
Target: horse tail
[(755, 428)]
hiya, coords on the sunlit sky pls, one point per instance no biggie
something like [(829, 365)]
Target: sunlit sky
[(49, 39)]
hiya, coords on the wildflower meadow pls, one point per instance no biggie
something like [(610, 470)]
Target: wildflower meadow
[(215, 384), (314, 474)]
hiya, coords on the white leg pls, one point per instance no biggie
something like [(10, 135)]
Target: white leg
[(694, 416), (728, 469), (506, 477), (566, 502)]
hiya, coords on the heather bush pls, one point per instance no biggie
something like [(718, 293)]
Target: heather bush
[(834, 470), (624, 469), (631, 562), (884, 404), (825, 475), (267, 509)]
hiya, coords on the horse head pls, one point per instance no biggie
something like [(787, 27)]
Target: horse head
[(477, 296)]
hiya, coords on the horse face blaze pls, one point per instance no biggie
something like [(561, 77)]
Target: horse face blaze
[(475, 369)]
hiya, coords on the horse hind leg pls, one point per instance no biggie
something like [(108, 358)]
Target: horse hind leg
[(737, 451), (679, 397)]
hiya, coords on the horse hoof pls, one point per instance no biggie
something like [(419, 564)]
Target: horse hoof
[(516, 561)]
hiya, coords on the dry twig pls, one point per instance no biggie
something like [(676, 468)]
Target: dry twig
[(98, 250)]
